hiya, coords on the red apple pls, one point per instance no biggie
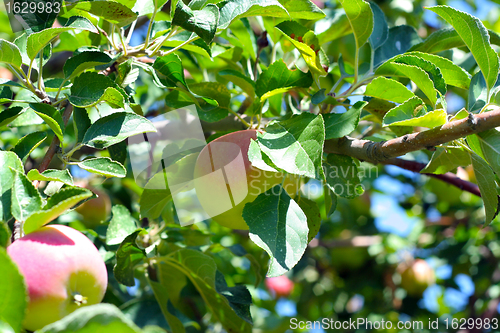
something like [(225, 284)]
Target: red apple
[(63, 271), (416, 277), (225, 180), (281, 286)]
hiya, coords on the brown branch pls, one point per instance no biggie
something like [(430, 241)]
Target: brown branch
[(54, 145), (448, 177), (376, 152)]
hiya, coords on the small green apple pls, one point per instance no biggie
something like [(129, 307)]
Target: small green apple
[(63, 271), (225, 179), (94, 211), (416, 277)]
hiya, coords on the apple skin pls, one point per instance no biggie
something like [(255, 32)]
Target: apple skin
[(212, 188), (95, 211), (280, 286), (417, 277), (58, 264)]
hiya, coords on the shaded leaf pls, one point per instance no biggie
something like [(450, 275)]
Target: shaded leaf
[(338, 125), (128, 256), (342, 176), (485, 180), (279, 226)]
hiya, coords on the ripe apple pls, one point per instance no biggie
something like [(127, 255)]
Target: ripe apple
[(225, 180), (415, 278), (94, 211), (281, 286), (63, 271)]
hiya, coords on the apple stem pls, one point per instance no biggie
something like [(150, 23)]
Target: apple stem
[(79, 299)]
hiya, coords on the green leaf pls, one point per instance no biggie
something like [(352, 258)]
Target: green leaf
[(278, 78), (430, 119), (412, 108), (128, 256), (388, 89), (155, 196), (104, 166), (118, 152), (380, 29), (239, 297), (121, 225), (89, 89), (9, 115), (25, 197), (486, 181), (170, 66), (338, 125), (56, 205), (489, 143), (311, 210), (445, 39), (37, 20), (51, 117), (478, 93), (295, 9), (38, 40), (98, 318), (62, 176), (81, 122), (6, 96), (202, 22), (453, 75), (10, 54), (212, 91), (476, 37), (14, 300), (360, 17), (201, 271), (9, 164), (400, 39), (295, 145), (342, 178), (242, 36), (279, 226), (444, 160), (167, 284), (111, 11), (114, 128), (306, 42), (419, 76), (25, 146), (239, 79), (5, 236), (338, 26), (82, 61)]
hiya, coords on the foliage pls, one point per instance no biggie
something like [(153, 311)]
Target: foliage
[(316, 82)]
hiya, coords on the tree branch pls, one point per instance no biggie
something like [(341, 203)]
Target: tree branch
[(54, 145), (448, 177), (376, 152)]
